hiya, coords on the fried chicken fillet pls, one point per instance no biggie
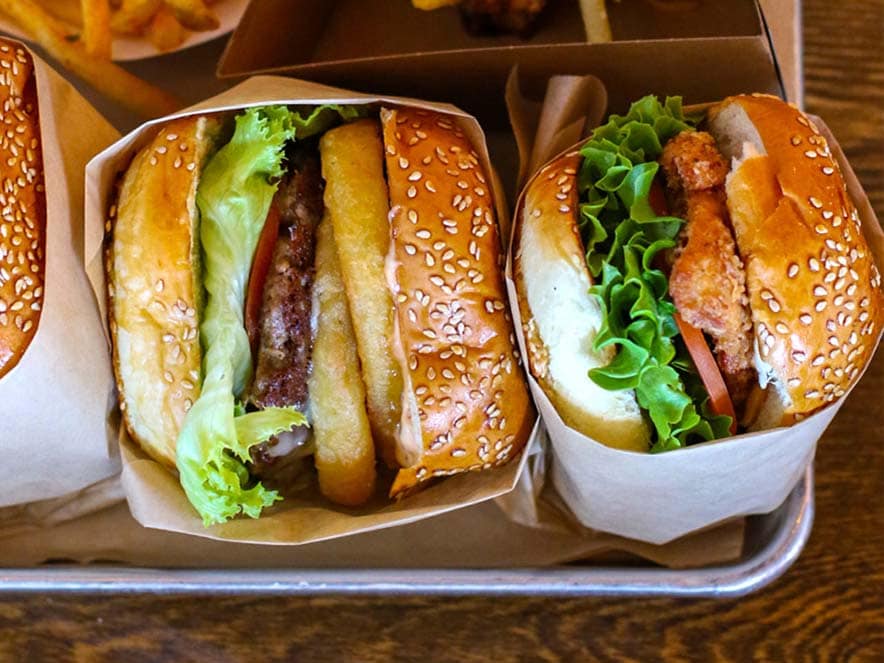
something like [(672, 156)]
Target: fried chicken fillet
[(708, 282)]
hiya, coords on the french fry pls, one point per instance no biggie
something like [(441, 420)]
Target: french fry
[(345, 456), (429, 5), (115, 82), (595, 21), (357, 202), (165, 32), (133, 16), (96, 28), (68, 11), (194, 14)]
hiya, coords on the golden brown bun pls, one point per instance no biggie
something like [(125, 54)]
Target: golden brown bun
[(22, 207), (153, 271), (560, 318), (465, 402), (814, 289)]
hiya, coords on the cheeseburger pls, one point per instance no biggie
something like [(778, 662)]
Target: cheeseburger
[(312, 287), (682, 277)]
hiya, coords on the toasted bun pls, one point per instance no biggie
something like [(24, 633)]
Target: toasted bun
[(465, 403), (560, 318), (153, 267), (23, 208), (814, 289)]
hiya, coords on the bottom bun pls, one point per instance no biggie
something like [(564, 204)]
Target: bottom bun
[(555, 301)]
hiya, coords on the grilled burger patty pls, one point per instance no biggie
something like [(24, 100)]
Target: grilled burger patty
[(285, 341)]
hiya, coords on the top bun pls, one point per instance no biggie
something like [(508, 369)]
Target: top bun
[(23, 210), (814, 289), (465, 403)]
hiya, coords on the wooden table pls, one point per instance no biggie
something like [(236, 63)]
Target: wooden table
[(829, 605)]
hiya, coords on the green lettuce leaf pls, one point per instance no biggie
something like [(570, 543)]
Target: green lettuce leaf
[(622, 235), (234, 196), (322, 118)]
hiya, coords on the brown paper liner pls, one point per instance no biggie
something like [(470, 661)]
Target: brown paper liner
[(659, 497), (154, 495), (55, 406), (476, 537)]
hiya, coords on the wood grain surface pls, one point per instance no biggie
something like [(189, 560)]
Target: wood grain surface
[(829, 605)]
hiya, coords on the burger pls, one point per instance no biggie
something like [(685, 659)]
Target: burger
[(300, 288), (682, 277), (22, 207)]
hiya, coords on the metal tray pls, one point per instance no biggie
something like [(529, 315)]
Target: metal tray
[(773, 543)]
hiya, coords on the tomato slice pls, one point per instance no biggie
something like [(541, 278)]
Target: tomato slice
[(657, 198), (258, 275), (719, 399)]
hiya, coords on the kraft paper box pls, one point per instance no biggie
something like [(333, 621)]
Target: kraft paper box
[(153, 493), (390, 47), (696, 487), (56, 430)]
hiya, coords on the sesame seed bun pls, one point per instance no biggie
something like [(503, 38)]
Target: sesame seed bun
[(23, 208), (814, 289), (154, 293), (465, 403)]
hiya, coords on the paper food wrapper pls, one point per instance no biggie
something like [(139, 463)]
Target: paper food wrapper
[(55, 425), (480, 536), (153, 493), (615, 491)]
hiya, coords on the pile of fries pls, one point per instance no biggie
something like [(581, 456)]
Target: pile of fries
[(165, 23), (79, 34)]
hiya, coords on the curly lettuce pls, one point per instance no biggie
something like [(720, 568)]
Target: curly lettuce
[(622, 236), (234, 196)]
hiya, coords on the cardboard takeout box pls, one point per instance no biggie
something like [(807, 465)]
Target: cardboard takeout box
[(391, 47)]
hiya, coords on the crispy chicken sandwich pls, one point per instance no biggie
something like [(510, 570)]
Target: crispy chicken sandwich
[(312, 286), (683, 278)]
